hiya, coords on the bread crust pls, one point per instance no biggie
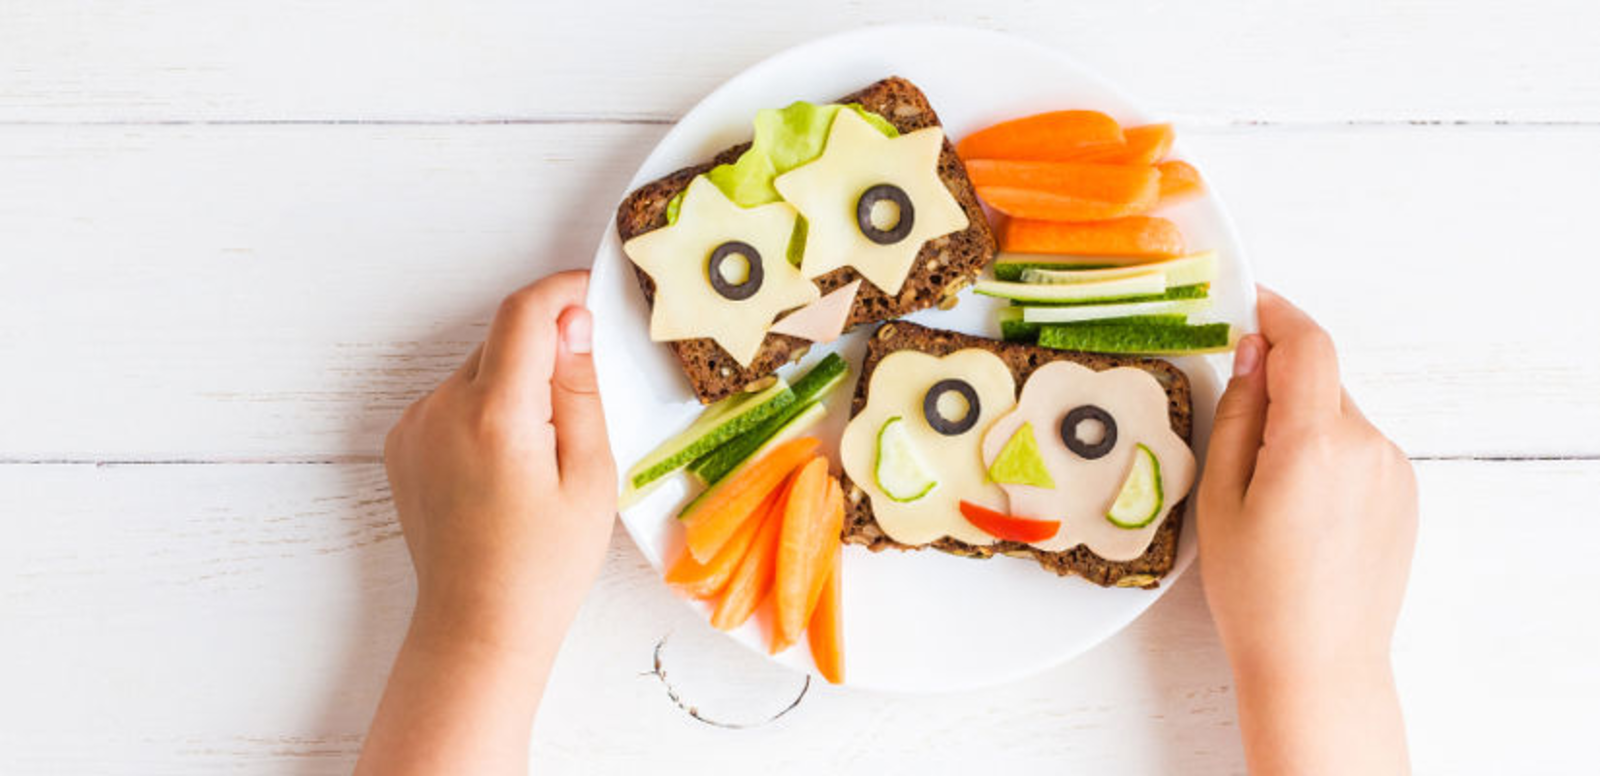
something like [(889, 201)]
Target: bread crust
[(944, 266), (1146, 571)]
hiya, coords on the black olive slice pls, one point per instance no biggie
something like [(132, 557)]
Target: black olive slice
[(941, 424), (879, 193), (752, 280), (1069, 431)]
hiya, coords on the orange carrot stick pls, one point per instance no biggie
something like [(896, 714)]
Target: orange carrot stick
[(753, 578), (712, 520), (1146, 144), (835, 526), (803, 549), (826, 631), (1050, 206), (705, 580), (1104, 182), (1133, 236), (1045, 136), (1179, 181), (1065, 191)]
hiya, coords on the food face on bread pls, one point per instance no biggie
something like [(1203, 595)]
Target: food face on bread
[(831, 185), (1072, 445), (916, 447), (945, 447), (1145, 500), (884, 222)]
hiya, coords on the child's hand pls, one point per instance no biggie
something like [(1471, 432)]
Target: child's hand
[(506, 492), (503, 477), (1307, 519)]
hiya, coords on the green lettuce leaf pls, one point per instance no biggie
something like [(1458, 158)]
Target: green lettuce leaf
[(785, 138)]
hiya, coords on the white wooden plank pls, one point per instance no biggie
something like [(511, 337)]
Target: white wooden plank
[(1496, 624), (282, 292), (97, 60), (1446, 265), (199, 618), (273, 291)]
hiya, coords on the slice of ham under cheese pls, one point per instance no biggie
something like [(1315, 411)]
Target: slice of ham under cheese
[(822, 320)]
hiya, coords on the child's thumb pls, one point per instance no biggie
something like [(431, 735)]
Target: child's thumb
[(1241, 416), (583, 452)]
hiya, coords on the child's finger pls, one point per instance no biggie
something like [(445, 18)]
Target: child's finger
[(1237, 429), (519, 352), (583, 452), (1303, 367)]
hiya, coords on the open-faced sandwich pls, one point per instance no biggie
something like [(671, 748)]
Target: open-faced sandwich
[(834, 215), (981, 447)]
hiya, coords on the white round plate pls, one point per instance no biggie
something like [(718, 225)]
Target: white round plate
[(913, 621)]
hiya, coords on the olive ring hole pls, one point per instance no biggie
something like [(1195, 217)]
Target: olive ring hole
[(735, 270), (938, 421), (885, 200), (1087, 418)]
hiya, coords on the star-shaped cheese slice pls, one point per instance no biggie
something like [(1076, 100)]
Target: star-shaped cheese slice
[(678, 257), (827, 191)]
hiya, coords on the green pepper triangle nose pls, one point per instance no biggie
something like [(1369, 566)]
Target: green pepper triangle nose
[(1019, 461)]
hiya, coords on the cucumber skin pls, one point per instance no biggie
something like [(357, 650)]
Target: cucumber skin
[(1135, 338), (1149, 284), (1012, 270), (1017, 330), (879, 462), (1197, 291), (820, 378), (1191, 269), (771, 408), (1161, 496), (714, 465)]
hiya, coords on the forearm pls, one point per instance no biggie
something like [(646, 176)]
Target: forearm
[(1332, 719), (456, 705)]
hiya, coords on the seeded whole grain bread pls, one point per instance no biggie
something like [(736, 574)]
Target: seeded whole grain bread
[(860, 527), (944, 266)]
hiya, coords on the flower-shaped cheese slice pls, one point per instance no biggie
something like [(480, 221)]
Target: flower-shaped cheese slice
[(1086, 487), (710, 231), (859, 161), (899, 386)]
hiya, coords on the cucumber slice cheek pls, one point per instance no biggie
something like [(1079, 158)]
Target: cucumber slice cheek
[(1140, 500), (899, 472)]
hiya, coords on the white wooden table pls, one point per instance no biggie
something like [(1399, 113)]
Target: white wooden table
[(237, 238)]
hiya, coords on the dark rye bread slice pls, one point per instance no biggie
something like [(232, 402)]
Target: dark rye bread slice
[(1145, 571), (945, 265)]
